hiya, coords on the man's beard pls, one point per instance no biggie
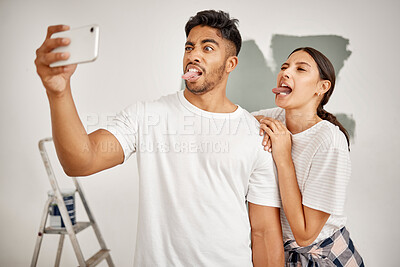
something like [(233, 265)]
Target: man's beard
[(207, 85)]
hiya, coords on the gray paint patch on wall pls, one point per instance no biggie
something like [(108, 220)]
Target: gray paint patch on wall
[(332, 46), (348, 123), (250, 84)]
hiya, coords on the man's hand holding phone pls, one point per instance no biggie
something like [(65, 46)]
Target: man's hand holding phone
[(56, 80)]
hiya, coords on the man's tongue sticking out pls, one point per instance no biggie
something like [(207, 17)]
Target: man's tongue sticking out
[(192, 75), (188, 75)]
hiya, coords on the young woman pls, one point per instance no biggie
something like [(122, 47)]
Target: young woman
[(311, 152)]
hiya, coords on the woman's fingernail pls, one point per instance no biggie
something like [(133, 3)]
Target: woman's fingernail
[(264, 143)]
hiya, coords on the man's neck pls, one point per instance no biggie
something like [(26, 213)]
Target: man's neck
[(212, 101)]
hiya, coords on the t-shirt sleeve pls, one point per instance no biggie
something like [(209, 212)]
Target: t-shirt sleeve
[(325, 188), (276, 113), (263, 112), (125, 128), (263, 184)]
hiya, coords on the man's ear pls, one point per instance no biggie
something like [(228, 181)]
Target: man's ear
[(231, 63)]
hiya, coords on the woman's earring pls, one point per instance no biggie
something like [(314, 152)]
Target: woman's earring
[(319, 94)]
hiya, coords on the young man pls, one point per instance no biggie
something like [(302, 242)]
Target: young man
[(199, 157)]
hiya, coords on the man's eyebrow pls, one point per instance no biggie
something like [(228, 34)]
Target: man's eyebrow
[(189, 43), (210, 41)]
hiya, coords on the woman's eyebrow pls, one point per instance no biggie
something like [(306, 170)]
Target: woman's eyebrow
[(302, 63)]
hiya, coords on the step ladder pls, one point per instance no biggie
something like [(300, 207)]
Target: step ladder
[(70, 230)]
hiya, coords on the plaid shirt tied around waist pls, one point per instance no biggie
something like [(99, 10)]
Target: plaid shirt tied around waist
[(335, 251)]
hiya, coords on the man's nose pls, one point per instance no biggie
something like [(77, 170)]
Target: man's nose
[(195, 56)]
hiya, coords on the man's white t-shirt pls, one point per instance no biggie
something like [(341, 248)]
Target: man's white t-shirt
[(197, 170), (322, 162)]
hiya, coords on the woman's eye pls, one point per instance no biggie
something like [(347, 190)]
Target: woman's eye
[(301, 69), (283, 68), (208, 48), (188, 48)]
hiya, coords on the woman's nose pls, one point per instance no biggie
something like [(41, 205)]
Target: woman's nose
[(286, 74)]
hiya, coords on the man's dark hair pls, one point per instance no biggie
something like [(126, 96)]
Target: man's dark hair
[(219, 20)]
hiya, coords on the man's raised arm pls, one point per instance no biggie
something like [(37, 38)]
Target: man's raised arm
[(80, 154)]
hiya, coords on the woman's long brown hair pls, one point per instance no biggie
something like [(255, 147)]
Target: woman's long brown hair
[(326, 72)]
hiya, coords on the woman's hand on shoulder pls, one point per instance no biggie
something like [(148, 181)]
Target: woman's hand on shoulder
[(277, 139), (266, 140), (259, 117)]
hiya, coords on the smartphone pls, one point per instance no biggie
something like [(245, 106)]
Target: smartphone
[(84, 45)]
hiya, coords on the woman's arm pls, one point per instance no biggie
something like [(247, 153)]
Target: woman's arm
[(306, 223)]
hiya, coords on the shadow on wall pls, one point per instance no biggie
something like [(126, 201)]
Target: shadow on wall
[(251, 83)]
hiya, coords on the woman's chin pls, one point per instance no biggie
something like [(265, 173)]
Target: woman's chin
[(281, 102)]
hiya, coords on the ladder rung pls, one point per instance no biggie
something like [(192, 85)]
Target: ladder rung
[(79, 226), (97, 258)]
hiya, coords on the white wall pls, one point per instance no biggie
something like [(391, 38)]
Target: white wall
[(140, 58)]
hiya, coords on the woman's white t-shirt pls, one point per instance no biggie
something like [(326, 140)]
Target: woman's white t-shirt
[(322, 162)]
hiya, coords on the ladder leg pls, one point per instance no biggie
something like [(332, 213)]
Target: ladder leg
[(109, 261), (59, 250), (60, 202), (69, 227), (41, 232), (102, 254), (93, 222)]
